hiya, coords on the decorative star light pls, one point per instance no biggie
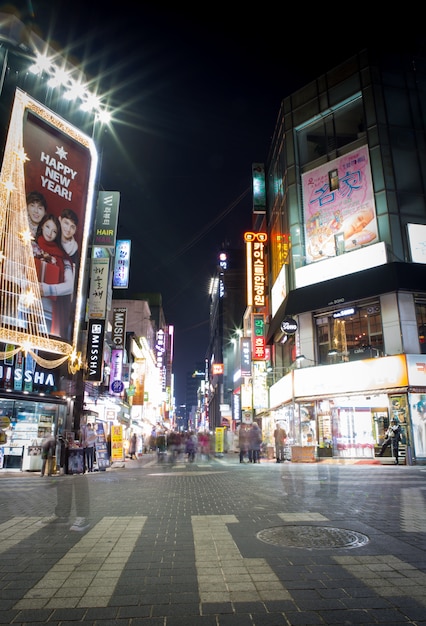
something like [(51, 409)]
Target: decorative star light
[(9, 185), (62, 154), (21, 155), (25, 236)]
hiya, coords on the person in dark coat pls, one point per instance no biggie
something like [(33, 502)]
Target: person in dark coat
[(48, 448), (255, 443), (133, 445), (393, 437), (243, 442)]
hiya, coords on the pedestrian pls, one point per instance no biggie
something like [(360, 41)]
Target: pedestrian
[(280, 436), (88, 442), (392, 437), (132, 446), (48, 447), (243, 442), (191, 443), (255, 443)]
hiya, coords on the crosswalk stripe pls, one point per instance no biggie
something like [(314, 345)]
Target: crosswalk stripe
[(387, 575), (17, 529), (87, 575), (413, 510), (223, 574)]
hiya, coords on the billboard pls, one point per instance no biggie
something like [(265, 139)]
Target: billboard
[(45, 218), (339, 207)]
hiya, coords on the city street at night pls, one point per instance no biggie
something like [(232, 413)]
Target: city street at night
[(215, 542)]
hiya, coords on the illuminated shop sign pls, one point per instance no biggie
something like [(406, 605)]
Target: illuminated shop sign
[(259, 342), (256, 268), (95, 350), (120, 278), (106, 219), (344, 312), (288, 326)]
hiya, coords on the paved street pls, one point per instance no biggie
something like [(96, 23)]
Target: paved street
[(215, 543)]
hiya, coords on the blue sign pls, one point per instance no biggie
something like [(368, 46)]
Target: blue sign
[(117, 386)]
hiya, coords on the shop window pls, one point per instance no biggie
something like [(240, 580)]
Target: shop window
[(352, 337)]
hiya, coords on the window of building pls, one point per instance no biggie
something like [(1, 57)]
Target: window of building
[(351, 334), (421, 324), (337, 128)]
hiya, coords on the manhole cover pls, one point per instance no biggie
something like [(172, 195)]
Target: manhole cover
[(318, 537)]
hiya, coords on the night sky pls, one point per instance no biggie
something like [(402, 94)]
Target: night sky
[(196, 93)]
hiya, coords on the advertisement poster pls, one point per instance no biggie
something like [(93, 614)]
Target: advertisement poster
[(339, 212), (45, 219), (102, 456), (117, 450)]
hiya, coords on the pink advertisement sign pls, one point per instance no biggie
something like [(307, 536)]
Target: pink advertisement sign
[(339, 207)]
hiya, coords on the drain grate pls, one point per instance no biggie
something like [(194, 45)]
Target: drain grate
[(314, 537)]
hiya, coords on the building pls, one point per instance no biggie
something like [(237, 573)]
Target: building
[(227, 304), (346, 224)]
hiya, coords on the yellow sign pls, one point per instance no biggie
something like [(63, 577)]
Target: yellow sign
[(117, 452), (219, 439)]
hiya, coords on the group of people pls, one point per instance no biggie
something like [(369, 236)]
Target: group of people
[(55, 251), (250, 442), (175, 445)]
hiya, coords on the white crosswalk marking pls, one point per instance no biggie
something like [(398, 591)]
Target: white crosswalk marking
[(17, 529), (223, 574), (413, 510), (387, 575), (87, 575)]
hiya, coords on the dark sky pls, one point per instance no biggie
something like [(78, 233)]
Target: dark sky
[(196, 93)]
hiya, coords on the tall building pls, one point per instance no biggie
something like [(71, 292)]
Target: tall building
[(346, 225), (227, 304)]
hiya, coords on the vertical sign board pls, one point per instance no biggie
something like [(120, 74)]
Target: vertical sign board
[(106, 219), (98, 290), (259, 188), (117, 450), (120, 279), (259, 341), (116, 385), (118, 332), (59, 162), (245, 357), (256, 268), (95, 350)]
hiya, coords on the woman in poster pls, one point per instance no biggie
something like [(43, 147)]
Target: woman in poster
[(56, 276)]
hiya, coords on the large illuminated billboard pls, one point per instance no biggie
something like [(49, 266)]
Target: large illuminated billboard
[(339, 207), (46, 199)]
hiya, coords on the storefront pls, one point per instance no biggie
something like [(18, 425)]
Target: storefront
[(24, 424), (343, 410)]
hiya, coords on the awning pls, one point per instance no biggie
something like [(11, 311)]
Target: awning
[(337, 291)]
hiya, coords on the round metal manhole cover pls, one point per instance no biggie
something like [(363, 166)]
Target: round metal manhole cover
[(313, 537)]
